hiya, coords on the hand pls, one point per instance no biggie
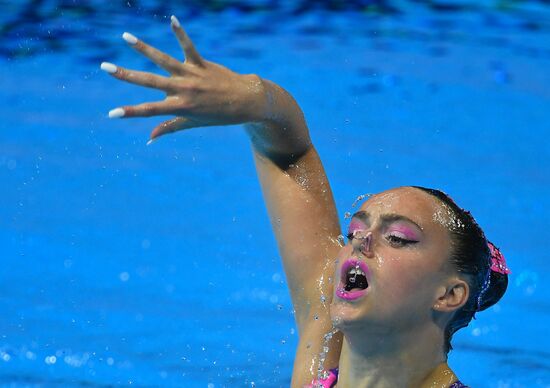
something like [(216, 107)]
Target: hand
[(200, 93)]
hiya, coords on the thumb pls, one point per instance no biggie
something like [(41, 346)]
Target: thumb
[(169, 126)]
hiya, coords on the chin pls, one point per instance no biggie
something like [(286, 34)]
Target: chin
[(346, 315)]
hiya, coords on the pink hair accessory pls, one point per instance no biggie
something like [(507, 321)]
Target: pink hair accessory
[(498, 262)]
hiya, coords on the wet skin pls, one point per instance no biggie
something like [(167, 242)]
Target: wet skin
[(412, 290), (402, 279), (407, 259)]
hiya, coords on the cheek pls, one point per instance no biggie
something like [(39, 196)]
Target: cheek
[(405, 286), (403, 277), (393, 262)]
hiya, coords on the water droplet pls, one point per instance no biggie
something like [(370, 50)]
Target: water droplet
[(360, 198), (50, 360), (321, 372), (527, 281)]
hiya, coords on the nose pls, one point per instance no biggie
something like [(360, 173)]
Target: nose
[(363, 242)]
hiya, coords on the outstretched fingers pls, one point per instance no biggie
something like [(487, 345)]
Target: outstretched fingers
[(165, 61), (137, 77), (147, 109), (191, 54)]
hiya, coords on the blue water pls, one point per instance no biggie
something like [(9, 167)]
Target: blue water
[(155, 265)]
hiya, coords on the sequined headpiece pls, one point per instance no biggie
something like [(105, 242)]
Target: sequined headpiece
[(498, 264)]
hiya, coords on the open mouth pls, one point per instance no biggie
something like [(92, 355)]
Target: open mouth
[(353, 282)]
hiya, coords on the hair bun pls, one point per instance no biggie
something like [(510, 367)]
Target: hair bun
[(497, 288), (496, 280)]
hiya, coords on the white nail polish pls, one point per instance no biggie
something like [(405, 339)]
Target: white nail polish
[(116, 113), (151, 141), (108, 67), (175, 21), (129, 38)]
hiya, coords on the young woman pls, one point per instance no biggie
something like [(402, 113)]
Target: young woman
[(416, 267)]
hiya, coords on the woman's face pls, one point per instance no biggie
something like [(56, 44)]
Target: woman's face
[(398, 248)]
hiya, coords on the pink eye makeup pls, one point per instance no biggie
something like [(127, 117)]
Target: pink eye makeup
[(355, 225), (403, 232), (398, 230), (356, 229), (399, 235)]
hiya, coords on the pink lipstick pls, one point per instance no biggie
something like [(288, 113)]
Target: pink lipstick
[(353, 283)]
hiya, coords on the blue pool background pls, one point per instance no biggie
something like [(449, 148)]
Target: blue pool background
[(155, 265)]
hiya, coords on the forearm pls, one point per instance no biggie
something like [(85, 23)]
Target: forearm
[(298, 197), (278, 130)]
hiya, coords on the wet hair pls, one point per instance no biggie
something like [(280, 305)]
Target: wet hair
[(471, 257)]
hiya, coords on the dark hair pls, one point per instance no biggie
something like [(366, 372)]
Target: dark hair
[(470, 255)]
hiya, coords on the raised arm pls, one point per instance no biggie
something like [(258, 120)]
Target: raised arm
[(304, 219), (295, 187)]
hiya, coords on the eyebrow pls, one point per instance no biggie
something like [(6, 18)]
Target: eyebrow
[(363, 216)]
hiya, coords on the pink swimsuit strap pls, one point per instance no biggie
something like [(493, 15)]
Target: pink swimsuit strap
[(328, 382)]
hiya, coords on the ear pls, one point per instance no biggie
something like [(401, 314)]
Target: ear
[(452, 296)]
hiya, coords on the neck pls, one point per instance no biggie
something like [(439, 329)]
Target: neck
[(411, 359)]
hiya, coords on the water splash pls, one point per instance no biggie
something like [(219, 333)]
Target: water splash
[(321, 284), (360, 198), (321, 372), (446, 217), (379, 260), (347, 215)]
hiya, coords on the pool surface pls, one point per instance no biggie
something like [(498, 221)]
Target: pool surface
[(155, 265)]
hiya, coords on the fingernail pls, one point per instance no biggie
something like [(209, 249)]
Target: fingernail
[(151, 141), (129, 38), (108, 67), (116, 113), (175, 21)]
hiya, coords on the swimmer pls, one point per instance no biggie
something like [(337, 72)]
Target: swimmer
[(415, 268)]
